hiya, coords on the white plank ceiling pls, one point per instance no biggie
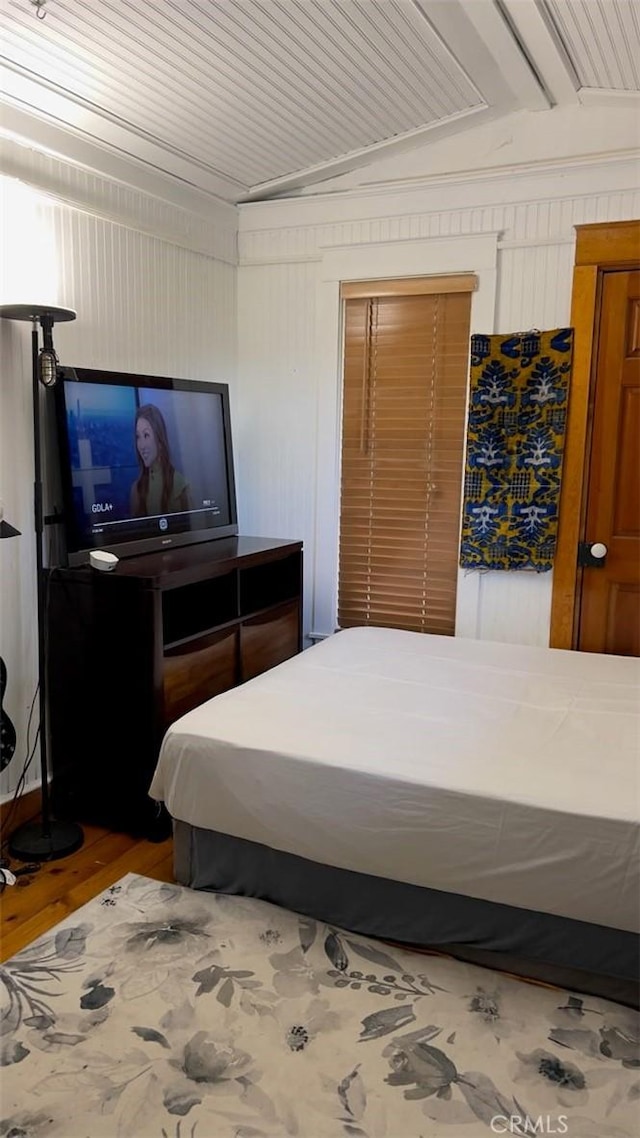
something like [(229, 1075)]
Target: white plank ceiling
[(602, 39), (246, 99)]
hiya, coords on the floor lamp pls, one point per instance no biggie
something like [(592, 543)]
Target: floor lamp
[(45, 839)]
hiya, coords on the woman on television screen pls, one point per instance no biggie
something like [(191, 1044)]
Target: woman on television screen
[(159, 488)]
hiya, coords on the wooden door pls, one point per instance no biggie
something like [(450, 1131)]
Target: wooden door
[(609, 607)]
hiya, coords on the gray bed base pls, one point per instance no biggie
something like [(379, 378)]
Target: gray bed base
[(586, 958)]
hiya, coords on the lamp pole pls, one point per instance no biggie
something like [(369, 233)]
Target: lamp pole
[(45, 839)]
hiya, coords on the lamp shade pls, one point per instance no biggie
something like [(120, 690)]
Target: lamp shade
[(29, 265)]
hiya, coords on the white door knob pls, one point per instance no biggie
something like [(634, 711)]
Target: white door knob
[(599, 550)]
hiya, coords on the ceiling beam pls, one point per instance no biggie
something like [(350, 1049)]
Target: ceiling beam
[(544, 46), (449, 20), (518, 72)]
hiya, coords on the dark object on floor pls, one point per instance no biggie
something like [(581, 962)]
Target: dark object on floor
[(24, 870), (7, 730)]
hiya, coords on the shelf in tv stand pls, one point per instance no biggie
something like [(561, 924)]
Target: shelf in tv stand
[(197, 638), (257, 613)]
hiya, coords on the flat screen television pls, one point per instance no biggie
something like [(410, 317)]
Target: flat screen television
[(146, 462)]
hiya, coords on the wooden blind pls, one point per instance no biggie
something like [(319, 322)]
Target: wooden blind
[(405, 383)]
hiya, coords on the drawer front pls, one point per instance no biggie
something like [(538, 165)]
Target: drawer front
[(197, 671), (269, 639)]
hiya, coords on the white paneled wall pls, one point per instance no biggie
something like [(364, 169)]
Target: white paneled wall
[(145, 304), (275, 426), (283, 293)]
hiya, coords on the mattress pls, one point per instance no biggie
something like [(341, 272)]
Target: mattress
[(501, 772)]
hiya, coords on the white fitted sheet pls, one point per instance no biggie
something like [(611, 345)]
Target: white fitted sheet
[(497, 771)]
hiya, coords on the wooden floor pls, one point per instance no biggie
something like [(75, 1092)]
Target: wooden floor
[(38, 901)]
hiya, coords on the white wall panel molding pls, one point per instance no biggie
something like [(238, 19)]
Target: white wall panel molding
[(200, 225), (290, 259), (421, 197), (536, 242), (533, 221), (374, 259)]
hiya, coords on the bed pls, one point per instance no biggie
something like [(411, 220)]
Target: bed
[(465, 795)]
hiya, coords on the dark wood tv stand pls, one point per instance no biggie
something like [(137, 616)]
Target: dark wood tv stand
[(130, 651)]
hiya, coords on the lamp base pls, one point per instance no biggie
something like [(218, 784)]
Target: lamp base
[(32, 843)]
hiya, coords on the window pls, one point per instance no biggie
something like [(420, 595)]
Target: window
[(406, 362)]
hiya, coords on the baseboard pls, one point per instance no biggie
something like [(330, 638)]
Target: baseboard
[(25, 808)]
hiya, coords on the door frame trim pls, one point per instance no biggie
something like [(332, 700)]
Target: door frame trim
[(599, 247)]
